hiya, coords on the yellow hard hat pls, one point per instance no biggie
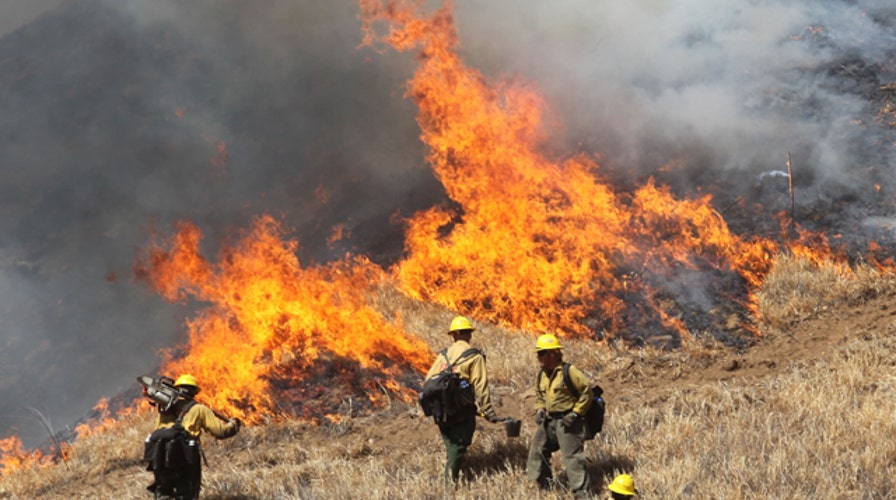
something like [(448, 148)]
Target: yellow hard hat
[(186, 379), (547, 342), (459, 324), (624, 485)]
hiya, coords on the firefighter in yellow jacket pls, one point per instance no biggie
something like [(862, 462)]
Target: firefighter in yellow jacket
[(457, 436), (559, 419), (195, 418)]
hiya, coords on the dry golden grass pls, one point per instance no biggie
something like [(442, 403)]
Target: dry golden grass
[(818, 431), (812, 428), (798, 289)]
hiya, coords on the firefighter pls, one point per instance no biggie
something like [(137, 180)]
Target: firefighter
[(458, 435), (558, 417), (195, 418), (622, 487)]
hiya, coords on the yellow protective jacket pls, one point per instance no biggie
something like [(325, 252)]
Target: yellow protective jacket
[(471, 369), (553, 396), (197, 419)]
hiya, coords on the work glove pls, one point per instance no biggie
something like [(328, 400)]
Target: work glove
[(235, 422), (570, 419), (492, 417), (540, 416)]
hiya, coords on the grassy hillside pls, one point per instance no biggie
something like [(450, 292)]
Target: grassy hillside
[(805, 412)]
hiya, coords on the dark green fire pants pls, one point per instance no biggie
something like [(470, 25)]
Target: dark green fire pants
[(457, 437)]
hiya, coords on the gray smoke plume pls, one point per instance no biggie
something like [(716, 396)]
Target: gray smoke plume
[(747, 79), (120, 115), (16, 13)]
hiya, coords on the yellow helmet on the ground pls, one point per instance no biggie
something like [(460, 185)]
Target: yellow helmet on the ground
[(186, 380), (624, 485), (547, 342), (459, 324)]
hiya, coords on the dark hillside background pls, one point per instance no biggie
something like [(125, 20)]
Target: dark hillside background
[(110, 125)]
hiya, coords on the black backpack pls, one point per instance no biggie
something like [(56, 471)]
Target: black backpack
[(446, 397), (170, 452), (594, 418)]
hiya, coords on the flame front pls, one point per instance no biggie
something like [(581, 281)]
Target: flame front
[(541, 244), (270, 321), (13, 456)]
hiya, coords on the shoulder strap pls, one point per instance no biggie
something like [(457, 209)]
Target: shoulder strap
[(469, 352), (568, 382), (184, 410), (179, 421)]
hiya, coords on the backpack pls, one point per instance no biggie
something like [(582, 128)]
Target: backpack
[(447, 397), (170, 452), (594, 417)]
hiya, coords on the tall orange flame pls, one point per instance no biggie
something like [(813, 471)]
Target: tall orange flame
[(540, 243), (270, 319)]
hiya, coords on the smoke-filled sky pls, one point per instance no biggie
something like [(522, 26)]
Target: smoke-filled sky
[(742, 81), (118, 115), (16, 13)]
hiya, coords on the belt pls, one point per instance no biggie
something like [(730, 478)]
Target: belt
[(558, 414)]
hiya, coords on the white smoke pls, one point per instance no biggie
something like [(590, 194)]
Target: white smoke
[(747, 81)]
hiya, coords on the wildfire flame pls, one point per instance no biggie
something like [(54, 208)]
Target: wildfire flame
[(270, 320), (540, 243), (13, 456)]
